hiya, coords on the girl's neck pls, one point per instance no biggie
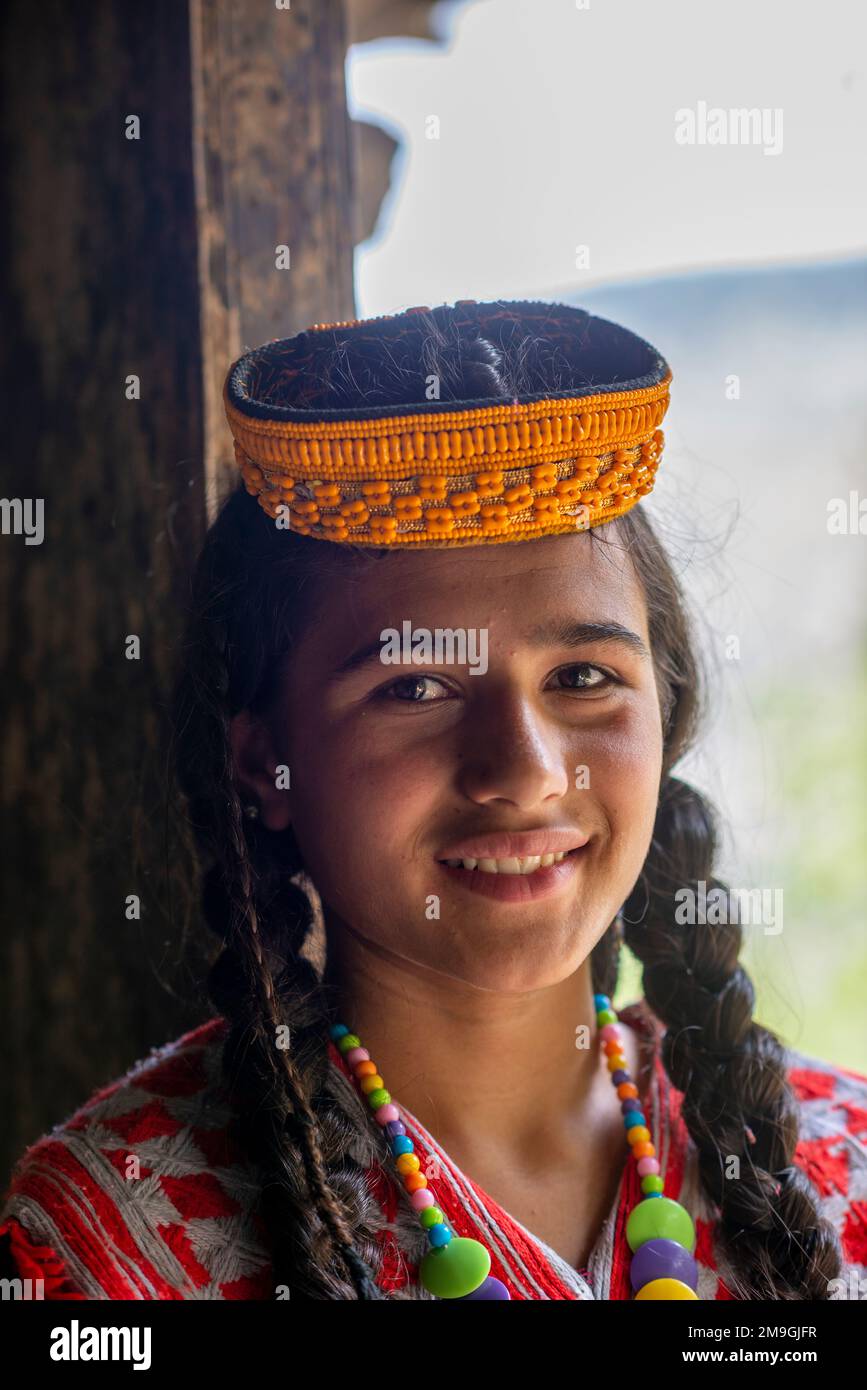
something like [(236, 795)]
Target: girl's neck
[(477, 1067)]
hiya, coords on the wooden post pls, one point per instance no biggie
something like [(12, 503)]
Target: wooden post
[(133, 270), (273, 186)]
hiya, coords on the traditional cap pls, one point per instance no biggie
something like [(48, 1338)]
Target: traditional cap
[(446, 473)]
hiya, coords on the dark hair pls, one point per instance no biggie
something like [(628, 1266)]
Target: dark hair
[(249, 605)]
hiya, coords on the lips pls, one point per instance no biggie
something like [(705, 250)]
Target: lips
[(516, 866), (522, 886)]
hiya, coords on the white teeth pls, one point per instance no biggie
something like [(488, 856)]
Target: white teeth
[(508, 866), (527, 865)]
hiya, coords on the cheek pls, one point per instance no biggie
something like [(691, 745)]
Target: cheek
[(627, 763), (371, 801)]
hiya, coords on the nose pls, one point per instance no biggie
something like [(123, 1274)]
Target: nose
[(512, 753)]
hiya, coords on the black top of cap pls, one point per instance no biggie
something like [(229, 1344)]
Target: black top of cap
[(593, 356)]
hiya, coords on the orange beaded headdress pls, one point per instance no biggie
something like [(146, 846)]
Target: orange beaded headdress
[(450, 472)]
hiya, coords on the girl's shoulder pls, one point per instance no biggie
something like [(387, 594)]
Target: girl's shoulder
[(829, 1095), (143, 1192), (832, 1151), (832, 1099)]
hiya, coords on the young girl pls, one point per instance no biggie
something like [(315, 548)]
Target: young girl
[(437, 679)]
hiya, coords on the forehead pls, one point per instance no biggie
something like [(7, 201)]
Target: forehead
[(504, 587)]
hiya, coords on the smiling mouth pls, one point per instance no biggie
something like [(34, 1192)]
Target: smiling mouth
[(528, 865)]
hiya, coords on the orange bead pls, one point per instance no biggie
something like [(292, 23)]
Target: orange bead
[(546, 508), (638, 1134), (383, 527), (544, 475), (464, 503), (439, 520), (626, 1089), (354, 511), (328, 494), (567, 488), (365, 1069), (643, 1151), (413, 1181), (408, 508), (432, 487)]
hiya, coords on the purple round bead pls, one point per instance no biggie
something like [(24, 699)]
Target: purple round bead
[(492, 1288), (662, 1259), (395, 1127), (618, 1077)]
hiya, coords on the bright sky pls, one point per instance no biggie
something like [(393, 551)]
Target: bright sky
[(557, 130)]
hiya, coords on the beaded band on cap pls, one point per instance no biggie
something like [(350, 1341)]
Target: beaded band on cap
[(446, 473)]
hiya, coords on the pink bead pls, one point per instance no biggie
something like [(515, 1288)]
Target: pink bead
[(611, 1033), (386, 1113), (647, 1165), (422, 1197), (357, 1054)]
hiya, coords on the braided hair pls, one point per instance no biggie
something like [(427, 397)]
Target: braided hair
[(249, 607)]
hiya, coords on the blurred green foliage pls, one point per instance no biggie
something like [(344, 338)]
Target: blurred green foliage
[(811, 978)]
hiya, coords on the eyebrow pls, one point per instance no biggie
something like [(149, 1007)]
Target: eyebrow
[(558, 632), (567, 632)]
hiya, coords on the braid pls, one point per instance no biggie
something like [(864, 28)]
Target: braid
[(261, 983), (285, 1090), (732, 1071)]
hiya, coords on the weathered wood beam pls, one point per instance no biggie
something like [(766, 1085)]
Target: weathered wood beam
[(273, 171), (150, 258)]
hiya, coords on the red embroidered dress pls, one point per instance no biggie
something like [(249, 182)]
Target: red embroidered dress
[(142, 1193)]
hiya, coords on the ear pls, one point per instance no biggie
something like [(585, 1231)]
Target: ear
[(255, 768)]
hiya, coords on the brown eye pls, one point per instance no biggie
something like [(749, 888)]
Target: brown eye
[(411, 689), (587, 677)]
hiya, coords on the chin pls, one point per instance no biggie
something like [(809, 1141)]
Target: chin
[(520, 967)]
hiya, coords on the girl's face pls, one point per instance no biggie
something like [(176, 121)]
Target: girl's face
[(546, 727)]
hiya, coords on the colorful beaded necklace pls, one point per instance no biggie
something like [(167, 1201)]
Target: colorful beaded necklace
[(659, 1231)]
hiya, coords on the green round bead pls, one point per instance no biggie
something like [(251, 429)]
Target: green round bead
[(378, 1097), (349, 1040), (652, 1182), (606, 1016), (431, 1216), (660, 1218), (455, 1269)]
